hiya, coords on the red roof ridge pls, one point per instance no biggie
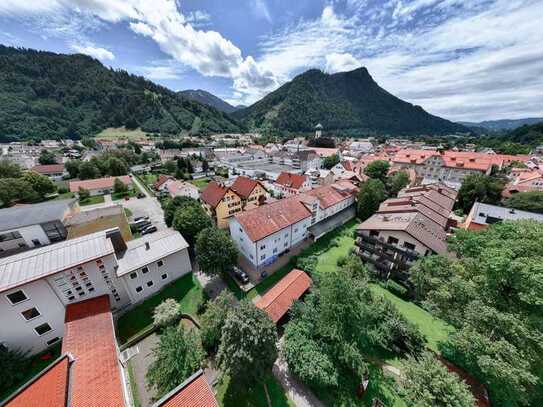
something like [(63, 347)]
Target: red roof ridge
[(193, 392), (243, 186)]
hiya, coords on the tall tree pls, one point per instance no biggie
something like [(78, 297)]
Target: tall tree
[(377, 170), (330, 161), (189, 220), (216, 253), (16, 190), (119, 187), (9, 169), (248, 345), (116, 167), (47, 157), (213, 319), (40, 183), (397, 181), (526, 201), (177, 356), (427, 383), (72, 166), (481, 188), (87, 170), (370, 196)]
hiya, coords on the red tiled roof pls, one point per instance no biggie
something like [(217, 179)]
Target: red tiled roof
[(278, 300), (325, 152), (348, 165), (268, 219), (161, 180), (90, 338), (48, 389), (329, 195), (243, 186), (294, 181), (194, 392), (48, 169), (100, 183), (213, 193)]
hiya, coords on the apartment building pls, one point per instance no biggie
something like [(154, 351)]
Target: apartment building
[(36, 286), (524, 180), (221, 202), (265, 233), (28, 226), (482, 215), (288, 184), (405, 228), (450, 167)]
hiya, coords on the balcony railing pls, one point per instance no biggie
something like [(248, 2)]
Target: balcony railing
[(409, 254)]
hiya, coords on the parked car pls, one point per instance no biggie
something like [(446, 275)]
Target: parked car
[(148, 230), (240, 275), (141, 195), (140, 218)]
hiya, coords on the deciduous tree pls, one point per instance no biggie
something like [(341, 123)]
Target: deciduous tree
[(370, 196), (377, 170), (481, 188), (213, 319), (189, 220), (216, 253)]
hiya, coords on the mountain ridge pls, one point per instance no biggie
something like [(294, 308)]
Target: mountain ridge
[(208, 98), (503, 124), (341, 101), (49, 95)]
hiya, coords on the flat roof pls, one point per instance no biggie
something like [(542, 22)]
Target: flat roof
[(150, 248), (26, 215), (38, 263)]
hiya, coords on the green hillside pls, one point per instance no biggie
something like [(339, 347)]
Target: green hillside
[(46, 95)]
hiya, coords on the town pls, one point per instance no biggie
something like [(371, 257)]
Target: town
[(145, 271)]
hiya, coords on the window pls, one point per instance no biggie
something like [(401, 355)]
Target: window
[(160, 263), (409, 246), (43, 329), (262, 257), (52, 341), (71, 298), (296, 230), (139, 289), (145, 270), (164, 276), (30, 313), (275, 250), (36, 242), (374, 233), (262, 247), (17, 297), (133, 275), (91, 289), (150, 283), (392, 240)]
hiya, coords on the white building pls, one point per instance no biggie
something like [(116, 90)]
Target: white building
[(28, 226), (264, 233), (37, 285), (481, 215)]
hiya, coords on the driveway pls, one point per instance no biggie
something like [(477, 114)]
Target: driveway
[(148, 206)]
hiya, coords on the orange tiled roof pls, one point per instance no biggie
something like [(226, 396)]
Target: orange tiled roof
[(325, 152), (48, 168), (243, 186), (329, 195), (289, 180), (278, 300), (268, 219), (90, 338), (213, 193), (48, 389), (193, 392), (99, 183), (161, 180)]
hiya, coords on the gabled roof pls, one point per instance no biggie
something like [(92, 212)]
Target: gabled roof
[(47, 389), (213, 193), (44, 261), (278, 300), (268, 219), (48, 168), (193, 392), (100, 183), (243, 186), (89, 336), (161, 180), (289, 180), (329, 195)]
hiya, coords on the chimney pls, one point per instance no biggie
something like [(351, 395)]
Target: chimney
[(119, 245)]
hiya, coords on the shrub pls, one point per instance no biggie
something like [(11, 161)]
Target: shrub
[(396, 288), (166, 313), (341, 261), (62, 190)]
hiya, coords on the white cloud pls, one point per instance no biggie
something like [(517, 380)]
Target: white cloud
[(341, 62), (94, 51), (261, 10)]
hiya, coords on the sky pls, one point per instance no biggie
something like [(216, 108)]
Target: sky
[(467, 60)]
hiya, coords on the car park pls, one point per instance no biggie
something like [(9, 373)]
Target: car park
[(148, 230)]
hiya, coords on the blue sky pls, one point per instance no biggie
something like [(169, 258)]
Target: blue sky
[(460, 59)]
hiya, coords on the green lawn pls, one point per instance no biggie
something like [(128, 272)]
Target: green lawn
[(147, 179), (92, 200), (229, 395), (121, 133), (200, 183), (132, 192), (186, 290), (435, 330), (37, 364), (66, 195)]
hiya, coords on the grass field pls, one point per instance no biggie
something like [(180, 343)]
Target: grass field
[(200, 183), (229, 395), (66, 195), (92, 200), (106, 222), (186, 290), (120, 133)]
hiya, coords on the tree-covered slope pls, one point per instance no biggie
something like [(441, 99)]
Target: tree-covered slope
[(45, 95), (527, 134), (346, 100)]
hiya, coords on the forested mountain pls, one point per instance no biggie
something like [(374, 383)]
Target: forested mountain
[(504, 124), (210, 99), (527, 134), (43, 94), (345, 100)]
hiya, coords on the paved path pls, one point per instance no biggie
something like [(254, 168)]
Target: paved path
[(142, 188), (296, 391), (107, 199), (140, 364)]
